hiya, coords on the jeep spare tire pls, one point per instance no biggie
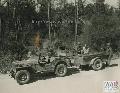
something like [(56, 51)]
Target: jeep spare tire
[(22, 77), (97, 65), (61, 70)]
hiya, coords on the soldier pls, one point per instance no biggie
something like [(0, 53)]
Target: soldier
[(109, 52), (29, 54), (85, 49), (79, 48)]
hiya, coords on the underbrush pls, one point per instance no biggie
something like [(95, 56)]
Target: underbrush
[(6, 62)]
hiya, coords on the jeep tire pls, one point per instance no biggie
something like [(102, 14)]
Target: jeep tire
[(61, 70), (22, 77), (97, 65)]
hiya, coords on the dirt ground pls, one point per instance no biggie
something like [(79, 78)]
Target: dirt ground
[(75, 82)]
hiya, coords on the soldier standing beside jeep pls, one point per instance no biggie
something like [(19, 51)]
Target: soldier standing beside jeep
[(109, 52)]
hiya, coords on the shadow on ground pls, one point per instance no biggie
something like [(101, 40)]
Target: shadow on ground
[(113, 65), (45, 76), (87, 68)]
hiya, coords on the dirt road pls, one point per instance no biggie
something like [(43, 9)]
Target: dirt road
[(76, 82)]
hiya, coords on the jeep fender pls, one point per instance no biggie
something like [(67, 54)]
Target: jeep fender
[(92, 61), (66, 62), (31, 70)]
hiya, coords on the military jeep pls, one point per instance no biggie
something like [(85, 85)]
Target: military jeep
[(22, 71)]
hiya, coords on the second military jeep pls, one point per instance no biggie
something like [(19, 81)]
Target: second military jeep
[(22, 71)]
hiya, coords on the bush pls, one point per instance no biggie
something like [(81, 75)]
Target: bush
[(6, 62)]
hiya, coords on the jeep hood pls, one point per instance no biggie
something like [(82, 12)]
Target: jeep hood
[(26, 62)]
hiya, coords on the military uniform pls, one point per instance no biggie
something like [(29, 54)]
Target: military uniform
[(110, 53)]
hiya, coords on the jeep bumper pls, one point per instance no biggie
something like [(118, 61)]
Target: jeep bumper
[(12, 73)]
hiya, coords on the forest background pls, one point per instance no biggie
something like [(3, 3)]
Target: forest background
[(25, 24)]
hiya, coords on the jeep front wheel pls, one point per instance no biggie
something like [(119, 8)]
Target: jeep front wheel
[(22, 77), (97, 64), (61, 70)]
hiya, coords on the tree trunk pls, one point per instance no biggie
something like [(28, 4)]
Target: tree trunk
[(0, 35)]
